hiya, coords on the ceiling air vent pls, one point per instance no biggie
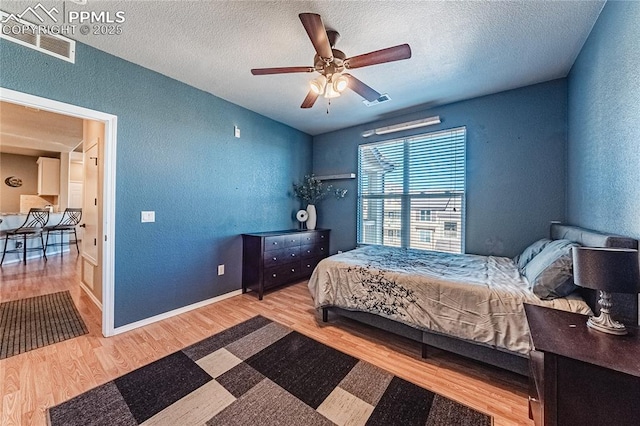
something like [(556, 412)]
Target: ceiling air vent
[(381, 99), (27, 34)]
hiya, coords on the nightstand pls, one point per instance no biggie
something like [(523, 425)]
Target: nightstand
[(580, 376)]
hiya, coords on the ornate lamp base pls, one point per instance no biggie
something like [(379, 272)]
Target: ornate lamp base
[(604, 322)]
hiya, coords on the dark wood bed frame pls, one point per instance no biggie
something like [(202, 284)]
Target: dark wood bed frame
[(625, 308)]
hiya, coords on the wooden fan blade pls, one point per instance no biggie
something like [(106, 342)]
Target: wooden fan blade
[(362, 89), (282, 70), (309, 100), (390, 54), (317, 33)]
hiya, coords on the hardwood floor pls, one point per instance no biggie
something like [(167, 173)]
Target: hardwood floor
[(38, 379)]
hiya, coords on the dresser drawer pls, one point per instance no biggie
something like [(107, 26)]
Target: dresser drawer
[(292, 240), (308, 265), (322, 249), (281, 274), (280, 257), (308, 250), (322, 236), (307, 238), (274, 243)]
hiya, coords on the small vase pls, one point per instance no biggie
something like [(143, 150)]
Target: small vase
[(313, 217)]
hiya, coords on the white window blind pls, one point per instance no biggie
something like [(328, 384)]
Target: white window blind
[(412, 188)]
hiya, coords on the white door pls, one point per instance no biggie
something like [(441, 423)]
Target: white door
[(75, 195), (76, 201), (90, 203)]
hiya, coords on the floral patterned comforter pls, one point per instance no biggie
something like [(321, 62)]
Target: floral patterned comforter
[(478, 298)]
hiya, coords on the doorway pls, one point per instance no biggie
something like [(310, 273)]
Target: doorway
[(104, 241)]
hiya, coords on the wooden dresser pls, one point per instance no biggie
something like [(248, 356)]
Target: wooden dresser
[(580, 376), (270, 259)]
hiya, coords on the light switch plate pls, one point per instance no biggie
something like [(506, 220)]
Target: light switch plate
[(220, 269), (148, 216), (236, 131)]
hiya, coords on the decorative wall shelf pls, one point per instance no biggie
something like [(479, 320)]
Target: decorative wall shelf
[(337, 177)]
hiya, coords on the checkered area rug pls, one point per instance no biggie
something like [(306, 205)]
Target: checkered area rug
[(261, 373)]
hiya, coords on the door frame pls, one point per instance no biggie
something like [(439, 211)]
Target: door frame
[(109, 187)]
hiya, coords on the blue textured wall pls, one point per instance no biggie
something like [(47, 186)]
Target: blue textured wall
[(604, 125), (177, 156), (516, 146)]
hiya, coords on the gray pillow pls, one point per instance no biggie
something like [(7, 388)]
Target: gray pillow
[(529, 253), (550, 273)]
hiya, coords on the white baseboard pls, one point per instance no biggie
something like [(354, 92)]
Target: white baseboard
[(165, 315), (92, 296)]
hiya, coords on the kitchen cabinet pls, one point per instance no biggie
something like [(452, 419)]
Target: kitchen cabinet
[(48, 176)]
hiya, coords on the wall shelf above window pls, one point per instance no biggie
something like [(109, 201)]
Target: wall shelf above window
[(337, 177)]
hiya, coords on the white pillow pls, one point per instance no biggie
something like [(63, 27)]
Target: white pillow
[(550, 273), (529, 253)]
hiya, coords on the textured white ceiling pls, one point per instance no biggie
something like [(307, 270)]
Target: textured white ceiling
[(29, 131), (460, 50)]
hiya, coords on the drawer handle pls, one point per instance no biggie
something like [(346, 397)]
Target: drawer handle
[(293, 270), (293, 255), (308, 266), (274, 275), (308, 251), (275, 258), (321, 248), (275, 243)]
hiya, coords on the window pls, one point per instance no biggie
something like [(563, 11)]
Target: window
[(450, 229), (392, 237), (393, 215), (425, 235), (413, 180), (425, 216)]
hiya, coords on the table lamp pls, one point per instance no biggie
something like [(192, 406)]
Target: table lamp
[(609, 270)]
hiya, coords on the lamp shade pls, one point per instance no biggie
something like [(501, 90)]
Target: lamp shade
[(614, 270)]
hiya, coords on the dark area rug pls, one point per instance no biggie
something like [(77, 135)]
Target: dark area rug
[(35, 322), (261, 373)]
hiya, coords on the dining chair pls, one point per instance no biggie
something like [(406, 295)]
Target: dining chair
[(67, 226), (31, 229)]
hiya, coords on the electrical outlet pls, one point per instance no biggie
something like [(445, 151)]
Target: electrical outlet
[(220, 269)]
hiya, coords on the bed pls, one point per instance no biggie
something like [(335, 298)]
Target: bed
[(466, 304)]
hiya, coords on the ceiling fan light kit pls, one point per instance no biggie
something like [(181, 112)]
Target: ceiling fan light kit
[(331, 64), (339, 82), (318, 84)]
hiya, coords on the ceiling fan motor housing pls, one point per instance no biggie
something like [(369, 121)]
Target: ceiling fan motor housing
[(336, 65)]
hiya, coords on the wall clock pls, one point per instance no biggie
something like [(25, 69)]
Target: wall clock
[(302, 216)]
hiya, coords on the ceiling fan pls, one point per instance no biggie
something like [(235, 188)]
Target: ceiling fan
[(331, 63)]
